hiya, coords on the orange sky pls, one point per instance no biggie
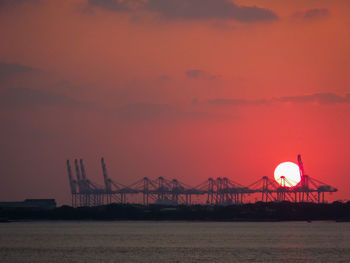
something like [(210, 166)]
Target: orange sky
[(202, 89)]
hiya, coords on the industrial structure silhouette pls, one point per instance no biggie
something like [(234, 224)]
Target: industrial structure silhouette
[(219, 191)]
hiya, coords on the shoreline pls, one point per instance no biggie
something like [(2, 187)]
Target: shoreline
[(256, 212)]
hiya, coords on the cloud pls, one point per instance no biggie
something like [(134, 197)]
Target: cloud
[(144, 110), (31, 98), (200, 74), (312, 13), (9, 4), (11, 69), (151, 111), (164, 77), (190, 9), (113, 5), (320, 98), (16, 75), (316, 98), (236, 102)]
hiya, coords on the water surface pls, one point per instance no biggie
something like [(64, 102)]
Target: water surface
[(154, 242)]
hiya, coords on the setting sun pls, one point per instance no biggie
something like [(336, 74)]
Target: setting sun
[(290, 171)]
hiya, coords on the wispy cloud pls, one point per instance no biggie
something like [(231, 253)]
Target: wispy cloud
[(312, 13), (236, 102), (316, 98), (24, 98), (10, 4), (320, 98), (200, 74), (152, 111), (8, 69), (190, 9)]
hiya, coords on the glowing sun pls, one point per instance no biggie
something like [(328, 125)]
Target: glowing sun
[(290, 171)]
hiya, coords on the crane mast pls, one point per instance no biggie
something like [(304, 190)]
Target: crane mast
[(301, 166)]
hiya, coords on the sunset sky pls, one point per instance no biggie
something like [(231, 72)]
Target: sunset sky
[(185, 89)]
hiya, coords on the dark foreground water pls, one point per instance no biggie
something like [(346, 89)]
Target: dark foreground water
[(174, 242)]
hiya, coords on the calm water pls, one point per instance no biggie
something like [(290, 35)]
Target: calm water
[(174, 242)]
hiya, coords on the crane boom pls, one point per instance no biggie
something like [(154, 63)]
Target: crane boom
[(82, 168), (105, 175), (71, 180), (301, 166)]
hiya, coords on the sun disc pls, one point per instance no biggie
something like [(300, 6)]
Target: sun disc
[(287, 174)]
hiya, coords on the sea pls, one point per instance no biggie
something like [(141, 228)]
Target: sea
[(165, 241)]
